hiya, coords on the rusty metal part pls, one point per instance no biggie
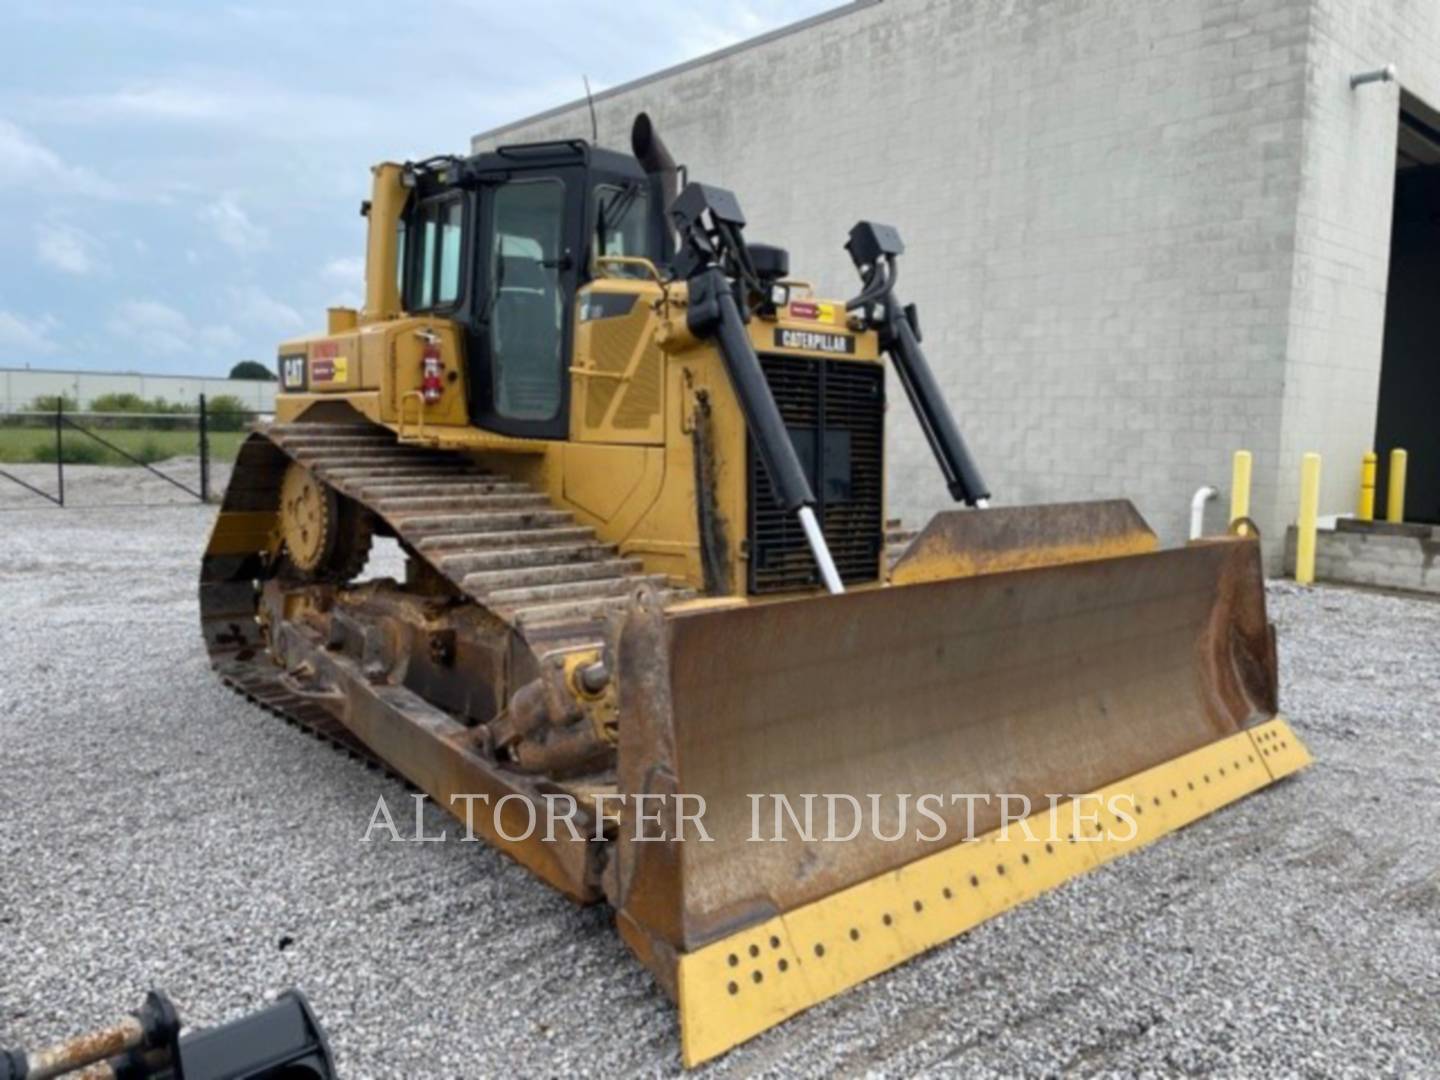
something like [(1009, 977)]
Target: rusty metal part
[(1049, 681), (562, 752), (283, 1039), (546, 583), (427, 745), (553, 725), (963, 543), (714, 540), (84, 1050), (499, 595), (643, 879)]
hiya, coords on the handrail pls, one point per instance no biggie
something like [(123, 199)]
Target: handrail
[(637, 261)]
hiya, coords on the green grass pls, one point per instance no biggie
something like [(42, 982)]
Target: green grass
[(19, 445)]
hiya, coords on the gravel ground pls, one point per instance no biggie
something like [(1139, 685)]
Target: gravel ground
[(157, 830)]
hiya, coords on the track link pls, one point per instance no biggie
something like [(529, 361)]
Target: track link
[(499, 541)]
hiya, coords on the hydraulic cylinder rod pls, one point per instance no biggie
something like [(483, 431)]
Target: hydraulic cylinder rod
[(714, 311), (962, 475)]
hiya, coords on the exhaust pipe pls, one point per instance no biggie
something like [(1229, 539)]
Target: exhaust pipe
[(649, 149)]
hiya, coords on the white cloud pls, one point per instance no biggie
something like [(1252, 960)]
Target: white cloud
[(155, 101), (156, 327), (215, 98), (345, 270), (346, 277), (152, 325), (221, 338), (21, 337), (27, 163), (67, 248), (699, 35), (233, 227), (260, 309)]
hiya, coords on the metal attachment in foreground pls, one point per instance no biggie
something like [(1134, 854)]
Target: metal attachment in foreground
[(281, 1040), (1384, 74)]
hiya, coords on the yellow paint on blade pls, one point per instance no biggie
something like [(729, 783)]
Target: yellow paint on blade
[(739, 986), (1281, 751), (939, 563)]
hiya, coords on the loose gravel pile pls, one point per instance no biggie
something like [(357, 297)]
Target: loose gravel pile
[(156, 830)]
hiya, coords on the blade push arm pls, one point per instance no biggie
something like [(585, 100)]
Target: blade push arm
[(874, 249)]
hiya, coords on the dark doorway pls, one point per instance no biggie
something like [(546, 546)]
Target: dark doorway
[(1409, 411)]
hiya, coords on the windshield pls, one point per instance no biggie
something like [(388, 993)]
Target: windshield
[(622, 223)]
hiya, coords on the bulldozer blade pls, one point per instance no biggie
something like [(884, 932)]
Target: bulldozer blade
[(963, 543), (1058, 693)]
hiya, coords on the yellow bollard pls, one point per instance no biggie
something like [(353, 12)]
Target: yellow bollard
[(1366, 509), (1240, 486), (1309, 511), (1395, 495)]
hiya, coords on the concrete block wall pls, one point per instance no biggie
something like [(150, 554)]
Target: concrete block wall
[(1408, 561), (1099, 200), (1341, 268)]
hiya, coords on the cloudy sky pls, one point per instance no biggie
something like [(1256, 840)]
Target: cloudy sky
[(180, 182)]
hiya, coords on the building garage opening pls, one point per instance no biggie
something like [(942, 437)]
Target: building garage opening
[(1409, 410)]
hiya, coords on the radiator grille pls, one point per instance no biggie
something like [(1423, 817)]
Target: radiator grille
[(835, 410)]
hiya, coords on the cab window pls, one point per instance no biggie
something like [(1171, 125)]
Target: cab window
[(437, 280), (622, 224), (526, 329)]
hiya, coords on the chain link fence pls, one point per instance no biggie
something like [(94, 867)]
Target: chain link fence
[(121, 450)]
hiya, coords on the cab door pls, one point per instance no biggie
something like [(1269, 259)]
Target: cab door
[(529, 259)]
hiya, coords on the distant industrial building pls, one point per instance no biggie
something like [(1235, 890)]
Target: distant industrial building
[(19, 387), (1140, 235)]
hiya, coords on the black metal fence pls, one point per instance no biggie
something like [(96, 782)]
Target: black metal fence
[(177, 448)]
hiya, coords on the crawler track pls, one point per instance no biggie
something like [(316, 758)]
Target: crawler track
[(498, 541)]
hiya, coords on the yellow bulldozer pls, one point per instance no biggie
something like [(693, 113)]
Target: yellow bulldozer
[(652, 642)]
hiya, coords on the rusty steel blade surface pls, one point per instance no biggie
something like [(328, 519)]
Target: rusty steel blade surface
[(964, 543), (1036, 682)]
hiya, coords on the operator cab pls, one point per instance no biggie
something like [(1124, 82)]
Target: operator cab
[(501, 243)]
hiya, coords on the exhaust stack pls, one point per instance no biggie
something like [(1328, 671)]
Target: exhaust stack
[(649, 149)]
